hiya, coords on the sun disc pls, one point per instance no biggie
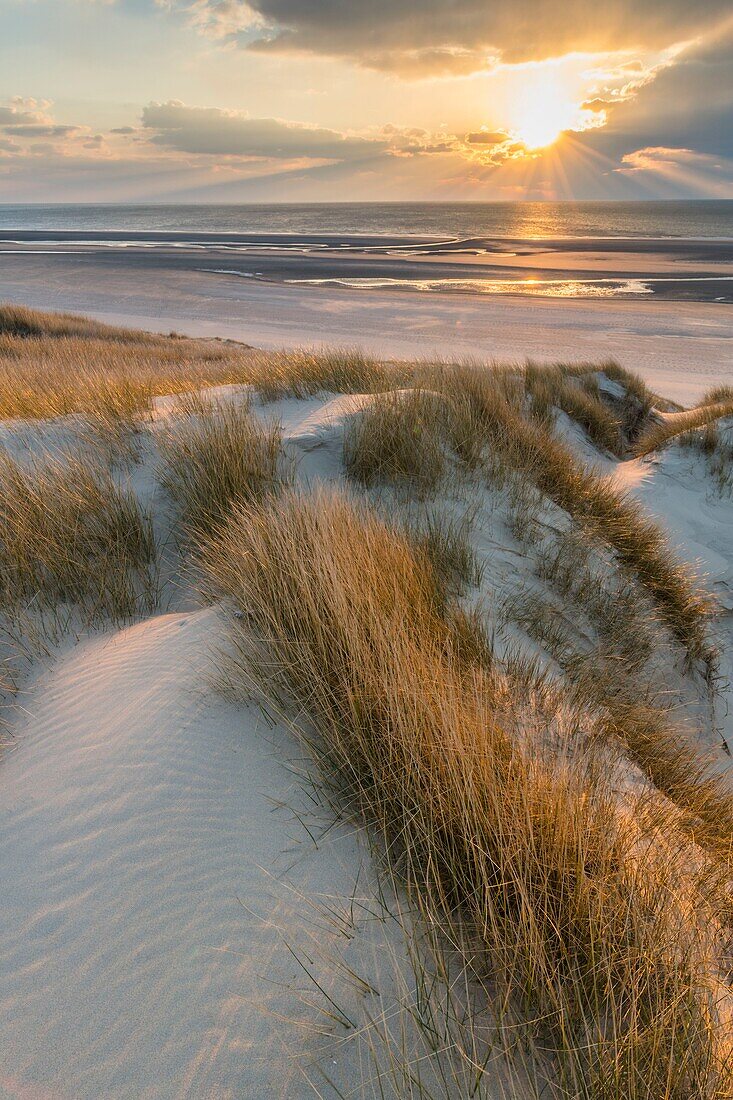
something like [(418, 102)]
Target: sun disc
[(543, 112)]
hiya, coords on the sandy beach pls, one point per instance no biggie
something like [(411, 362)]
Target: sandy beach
[(265, 297), (366, 550)]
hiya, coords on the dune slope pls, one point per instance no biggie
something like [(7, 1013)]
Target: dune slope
[(152, 868)]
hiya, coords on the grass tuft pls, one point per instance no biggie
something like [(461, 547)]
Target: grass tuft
[(593, 502), (55, 364), (630, 381), (717, 450), (24, 322), (399, 438), (718, 395), (662, 432), (215, 458), (70, 536), (447, 543), (308, 373), (579, 398)]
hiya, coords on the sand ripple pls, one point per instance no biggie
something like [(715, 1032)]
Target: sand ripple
[(141, 846)]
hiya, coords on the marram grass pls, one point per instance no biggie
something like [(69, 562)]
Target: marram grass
[(594, 919)]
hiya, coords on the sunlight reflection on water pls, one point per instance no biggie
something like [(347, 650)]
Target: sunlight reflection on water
[(545, 288)]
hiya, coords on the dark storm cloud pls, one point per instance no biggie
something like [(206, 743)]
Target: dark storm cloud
[(454, 34)]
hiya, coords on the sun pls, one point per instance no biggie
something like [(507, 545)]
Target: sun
[(543, 110)]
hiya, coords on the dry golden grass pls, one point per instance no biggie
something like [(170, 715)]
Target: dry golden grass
[(52, 365), (593, 910), (591, 501), (605, 679), (631, 382), (705, 440), (579, 398), (446, 541), (663, 431), (215, 458), (669, 758), (717, 449), (577, 570), (633, 408), (594, 917), (23, 321), (308, 373), (717, 396), (398, 439), (70, 537), (483, 419)]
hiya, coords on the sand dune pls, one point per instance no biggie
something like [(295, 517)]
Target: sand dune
[(162, 849), (152, 869)]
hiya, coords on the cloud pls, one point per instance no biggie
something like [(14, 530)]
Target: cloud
[(213, 139), (679, 169), (215, 132), (10, 116), (175, 150), (215, 18), (657, 157), (24, 112), (40, 129), (661, 158), (687, 105), (417, 37), (432, 61), (691, 101), (491, 149), (29, 118), (23, 122), (212, 132), (486, 137)]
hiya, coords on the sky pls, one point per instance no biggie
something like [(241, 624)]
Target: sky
[(358, 100)]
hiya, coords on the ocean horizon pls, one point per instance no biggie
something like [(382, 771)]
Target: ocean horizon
[(647, 219)]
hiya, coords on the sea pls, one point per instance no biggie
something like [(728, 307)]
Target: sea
[(433, 247), (691, 220)]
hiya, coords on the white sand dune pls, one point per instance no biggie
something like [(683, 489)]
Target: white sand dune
[(152, 869), (677, 492)]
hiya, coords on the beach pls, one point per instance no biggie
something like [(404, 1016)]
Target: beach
[(195, 910), (649, 305), (366, 550)]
